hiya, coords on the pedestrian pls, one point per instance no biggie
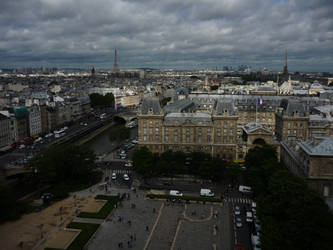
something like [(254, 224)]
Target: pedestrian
[(154, 210), (147, 228), (131, 237), (128, 243), (134, 236)]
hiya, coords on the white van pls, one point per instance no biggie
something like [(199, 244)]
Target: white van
[(206, 192), (245, 189), (176, 193)]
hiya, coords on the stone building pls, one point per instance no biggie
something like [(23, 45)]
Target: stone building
[(229, 125), (35, 120), (179, 127), (291, 121), (21, 117), (5, 138), (311, 160)]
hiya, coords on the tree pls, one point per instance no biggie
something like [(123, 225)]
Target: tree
[(214, 87), (101, 101), (261, 163), (289, 203), (119, 133), (292, 215), (143, 161), (9, 208), (233, 171), (165, 101), (71, 164)]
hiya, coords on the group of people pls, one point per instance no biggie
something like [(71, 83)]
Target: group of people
[(129, 242)]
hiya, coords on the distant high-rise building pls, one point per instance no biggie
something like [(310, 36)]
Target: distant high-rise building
[(115, 64), (285, 66)]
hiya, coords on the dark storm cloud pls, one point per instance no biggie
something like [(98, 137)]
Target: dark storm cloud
[(172, 33)]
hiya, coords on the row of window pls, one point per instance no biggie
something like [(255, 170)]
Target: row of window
[(296, 125), (188, 139)]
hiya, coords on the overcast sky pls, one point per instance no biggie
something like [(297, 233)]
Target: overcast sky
[(181, 34)]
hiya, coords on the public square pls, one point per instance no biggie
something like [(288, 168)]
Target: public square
[(154, 224)]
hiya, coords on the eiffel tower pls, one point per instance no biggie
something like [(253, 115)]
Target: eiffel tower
[(115, 64)]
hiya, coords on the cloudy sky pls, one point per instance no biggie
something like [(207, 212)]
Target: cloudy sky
[(181, 34)]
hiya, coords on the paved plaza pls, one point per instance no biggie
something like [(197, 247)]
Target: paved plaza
[(154, 224)]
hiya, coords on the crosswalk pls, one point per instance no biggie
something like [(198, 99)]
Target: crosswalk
[(109, 172), (120, 171), (238, 200)]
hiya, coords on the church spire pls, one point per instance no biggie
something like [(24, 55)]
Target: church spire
[(285, 66)]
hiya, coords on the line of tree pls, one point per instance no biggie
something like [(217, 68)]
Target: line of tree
[(172, 163), (100, 101), (292, 215), (64, 168)]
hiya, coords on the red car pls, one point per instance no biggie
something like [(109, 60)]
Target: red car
[(239, 246)]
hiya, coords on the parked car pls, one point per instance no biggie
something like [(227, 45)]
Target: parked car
[(114, 176), (255, 240), (176, 193), (249, 217), (129, 164), (134, 141), (238, 222), (206, 192), (245, 189), (126, 177), (254, 207), (237, 210)]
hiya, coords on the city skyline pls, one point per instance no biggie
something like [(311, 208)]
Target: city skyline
[(167, 34)]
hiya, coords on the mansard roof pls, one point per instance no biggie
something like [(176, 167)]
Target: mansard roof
[(152, 105), (323, 148), (293, 106), (225, 105), (200, 119), (178, 106)]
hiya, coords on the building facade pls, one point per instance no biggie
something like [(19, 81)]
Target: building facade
[(5, 135), (178, 127), (35, 120), (312, 160)]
